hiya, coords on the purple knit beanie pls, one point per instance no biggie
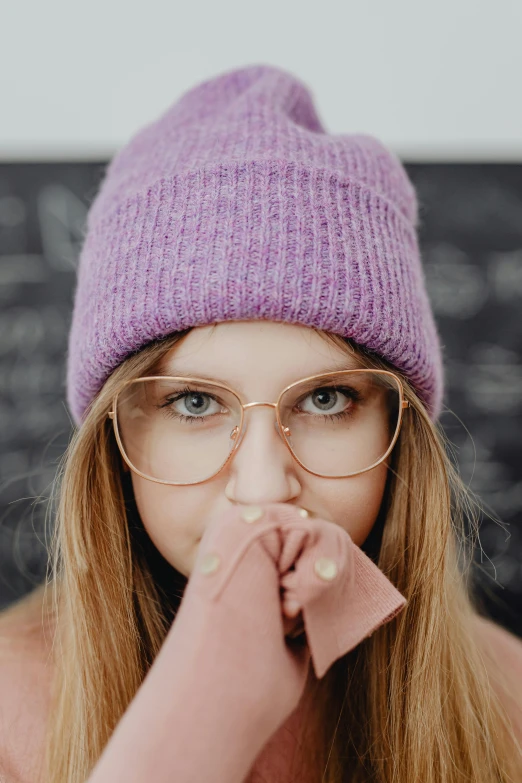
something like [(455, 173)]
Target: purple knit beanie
[(236, 205)]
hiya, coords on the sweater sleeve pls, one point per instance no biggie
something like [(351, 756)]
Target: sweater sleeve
[(225, 677)]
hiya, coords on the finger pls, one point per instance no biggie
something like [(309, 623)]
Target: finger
[(291, 607), (292, 627), (289, 580)]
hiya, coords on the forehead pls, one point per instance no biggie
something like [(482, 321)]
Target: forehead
[(258, 355)]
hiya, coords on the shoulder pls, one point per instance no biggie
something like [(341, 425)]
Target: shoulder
[(503, 652), (25, 679), (500, 643)]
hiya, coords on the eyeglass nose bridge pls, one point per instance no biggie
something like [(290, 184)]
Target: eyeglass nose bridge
[(235, 430)]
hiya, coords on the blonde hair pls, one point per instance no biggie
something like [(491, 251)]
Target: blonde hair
[(413, 703)]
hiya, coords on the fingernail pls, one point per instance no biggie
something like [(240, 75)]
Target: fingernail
[(251, 513)]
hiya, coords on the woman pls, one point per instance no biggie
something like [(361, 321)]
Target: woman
[(260, 570)]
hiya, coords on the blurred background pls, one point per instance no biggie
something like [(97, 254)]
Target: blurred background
[(438, 83)]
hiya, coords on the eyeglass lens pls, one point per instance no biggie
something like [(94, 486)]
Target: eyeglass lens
[(181, 431)]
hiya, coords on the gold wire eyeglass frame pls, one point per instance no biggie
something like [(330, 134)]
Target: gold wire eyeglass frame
[(240, 429)]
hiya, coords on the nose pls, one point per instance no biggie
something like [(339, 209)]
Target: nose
[(262, 469), (235, 432)]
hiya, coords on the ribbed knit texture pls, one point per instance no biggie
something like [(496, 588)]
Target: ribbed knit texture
[(236, 204), (225, 680)]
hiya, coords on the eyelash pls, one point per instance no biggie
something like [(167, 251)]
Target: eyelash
[(353, 394)]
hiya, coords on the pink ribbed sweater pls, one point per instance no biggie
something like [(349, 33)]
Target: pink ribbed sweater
[(223, 700), (225, 679)]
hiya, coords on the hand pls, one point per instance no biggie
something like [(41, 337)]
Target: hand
[(253, 568), (293, 623), (225, 678), (250, 603)]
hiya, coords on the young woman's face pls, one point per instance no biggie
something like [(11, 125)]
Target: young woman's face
[(257, 359)]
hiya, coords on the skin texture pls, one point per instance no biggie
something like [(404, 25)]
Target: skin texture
[(257, 359)]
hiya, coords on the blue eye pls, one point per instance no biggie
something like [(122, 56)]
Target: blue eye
[(198, 400), (198, 404), (324, 395)]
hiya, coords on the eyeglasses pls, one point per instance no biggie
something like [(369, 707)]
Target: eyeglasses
[(179, 430)]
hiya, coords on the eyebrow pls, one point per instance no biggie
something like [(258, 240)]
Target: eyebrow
[(350, 364)]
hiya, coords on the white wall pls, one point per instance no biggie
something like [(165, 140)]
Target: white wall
[(436, 81)]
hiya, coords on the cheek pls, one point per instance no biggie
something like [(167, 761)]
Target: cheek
[(358, 503), (170, 523)]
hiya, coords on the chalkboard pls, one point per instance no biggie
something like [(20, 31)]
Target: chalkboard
[(471, 240)]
